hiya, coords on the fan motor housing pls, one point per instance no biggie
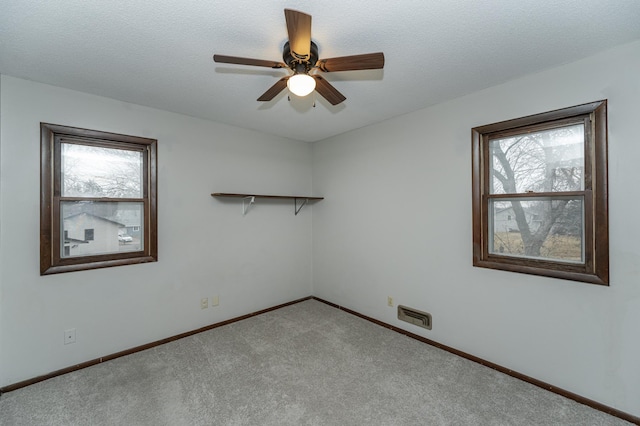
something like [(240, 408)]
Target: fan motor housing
[(294, 63)]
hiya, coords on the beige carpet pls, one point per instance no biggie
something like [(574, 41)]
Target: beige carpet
[(305, 364)]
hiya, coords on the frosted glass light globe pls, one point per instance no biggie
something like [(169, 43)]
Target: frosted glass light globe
[(301, 84)]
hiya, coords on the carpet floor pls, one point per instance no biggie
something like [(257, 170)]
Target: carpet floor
[(304, 364)]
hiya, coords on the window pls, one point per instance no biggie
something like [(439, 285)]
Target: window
[(95, 186), (540, 194)]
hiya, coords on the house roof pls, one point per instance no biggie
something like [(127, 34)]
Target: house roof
[(74, 240), (94, 216), (159, 54)]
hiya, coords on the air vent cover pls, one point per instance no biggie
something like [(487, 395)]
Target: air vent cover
[(414, 316)]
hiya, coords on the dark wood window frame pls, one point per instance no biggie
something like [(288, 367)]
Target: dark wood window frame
[(595, 268), (51, 260)]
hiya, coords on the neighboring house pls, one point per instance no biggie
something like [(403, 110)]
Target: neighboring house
[(87, 234), (131, 220), (505, 221)]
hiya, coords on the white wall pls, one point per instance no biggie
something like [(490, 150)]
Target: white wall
[(206, 246), (397, 222)]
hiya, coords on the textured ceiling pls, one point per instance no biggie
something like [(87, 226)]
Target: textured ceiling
[(159, 53)]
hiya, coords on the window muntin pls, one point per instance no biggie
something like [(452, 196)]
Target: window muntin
[(95, 188), (540, 194)]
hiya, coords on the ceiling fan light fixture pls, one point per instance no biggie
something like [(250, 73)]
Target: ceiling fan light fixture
[(301, 84), (300, 57)]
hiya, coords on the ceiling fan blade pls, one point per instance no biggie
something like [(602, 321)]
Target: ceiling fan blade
[(299, 29), (368, 61), (273, 91), (327, 91), (248, 61)]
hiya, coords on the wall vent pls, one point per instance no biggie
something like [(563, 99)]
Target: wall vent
[(413, 316)]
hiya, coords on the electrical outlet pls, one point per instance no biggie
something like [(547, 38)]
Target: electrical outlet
[(204, 303), (70, 336), (390, 301), (214, 300)]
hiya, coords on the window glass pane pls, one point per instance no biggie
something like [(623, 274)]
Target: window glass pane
[(551, 229), (545, 161), (92, 171), (113, 227)]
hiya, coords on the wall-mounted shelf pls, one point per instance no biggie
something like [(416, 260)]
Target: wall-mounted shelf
[(248, 199)]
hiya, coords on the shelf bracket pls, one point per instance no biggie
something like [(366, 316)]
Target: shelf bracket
[(245, 207), (295, 204)]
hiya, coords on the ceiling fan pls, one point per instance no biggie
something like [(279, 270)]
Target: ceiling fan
[(300, 56)]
